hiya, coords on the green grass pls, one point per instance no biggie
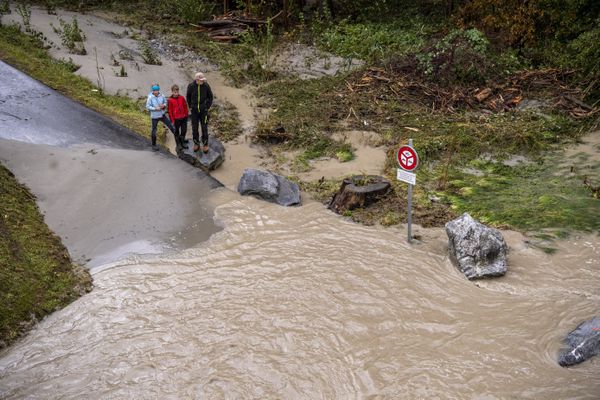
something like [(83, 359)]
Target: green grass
[(530, 197), (36, 273), (27, 54), (373, 41)]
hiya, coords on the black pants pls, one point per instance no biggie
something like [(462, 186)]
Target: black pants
[(202, 118), (181, 128), (165, 121)]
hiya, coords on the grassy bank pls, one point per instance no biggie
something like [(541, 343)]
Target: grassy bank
[(37, 276), (463, 152), (27, 53)]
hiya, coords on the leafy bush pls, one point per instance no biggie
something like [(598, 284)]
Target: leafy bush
[(148, 54), (187, 10), (530, 23), (24, 11), (372, 41), (581, 54), (71, 36), (585, 56), (68, 64), (4, 9), (461, 56)]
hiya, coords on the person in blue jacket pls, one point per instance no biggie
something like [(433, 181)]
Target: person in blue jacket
[(157, 105)]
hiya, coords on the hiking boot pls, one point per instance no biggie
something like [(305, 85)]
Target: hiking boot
[(196, 147), (155, 147), (205, 149), (180, 144)]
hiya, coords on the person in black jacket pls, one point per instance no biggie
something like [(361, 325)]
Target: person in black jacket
[(199, 98)]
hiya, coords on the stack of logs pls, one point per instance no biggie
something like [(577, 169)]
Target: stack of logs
[(228, 27)]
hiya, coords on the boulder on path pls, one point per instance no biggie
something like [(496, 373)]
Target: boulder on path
[(581, 344), (479, 251), (358, 191), (206, 161), (270, 187)]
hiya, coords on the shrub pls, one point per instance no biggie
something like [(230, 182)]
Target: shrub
[(461, 56), (187, 10), (4, 9), (71, 36), (585, 54), (68, 64), (148, 54), (372, 41), (25, 12)]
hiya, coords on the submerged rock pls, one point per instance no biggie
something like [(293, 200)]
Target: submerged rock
[(581, 344), (206, 161), (479, 251), (270, 187)]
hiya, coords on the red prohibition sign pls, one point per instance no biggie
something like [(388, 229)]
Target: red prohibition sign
[(407, 158)]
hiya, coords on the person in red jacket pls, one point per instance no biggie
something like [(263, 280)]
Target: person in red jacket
[(178, 113)]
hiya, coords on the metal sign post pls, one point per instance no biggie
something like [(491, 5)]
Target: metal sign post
[(408, 161), (410, 186)]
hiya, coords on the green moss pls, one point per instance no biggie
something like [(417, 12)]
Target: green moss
[(36, 273)]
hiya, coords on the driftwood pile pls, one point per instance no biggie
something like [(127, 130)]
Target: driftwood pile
[(228, 27), (379, 84)]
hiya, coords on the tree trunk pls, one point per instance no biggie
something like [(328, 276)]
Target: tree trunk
[(359, 191)]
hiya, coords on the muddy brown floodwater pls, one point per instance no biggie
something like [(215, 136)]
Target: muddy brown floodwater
[(298, 303)]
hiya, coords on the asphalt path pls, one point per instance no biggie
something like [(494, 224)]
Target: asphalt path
[(99, 185), (34, 113)]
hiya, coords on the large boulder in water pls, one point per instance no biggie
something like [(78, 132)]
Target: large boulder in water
[(206, 161), (479, 251), (270, 187), (581, 344)]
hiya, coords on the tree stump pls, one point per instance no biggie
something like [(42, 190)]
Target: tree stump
[(359, 191)]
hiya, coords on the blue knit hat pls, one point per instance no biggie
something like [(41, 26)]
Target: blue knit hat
[(155, 87)]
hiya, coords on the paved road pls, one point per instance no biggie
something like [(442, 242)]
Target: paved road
[(35, 113), (101, 188)]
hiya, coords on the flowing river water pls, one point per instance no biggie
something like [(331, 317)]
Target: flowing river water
[(301, 303)]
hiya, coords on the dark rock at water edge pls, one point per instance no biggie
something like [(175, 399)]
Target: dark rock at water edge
[(479, 251), (581, 344), (359, 191), (270, 187), (206, 161)]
